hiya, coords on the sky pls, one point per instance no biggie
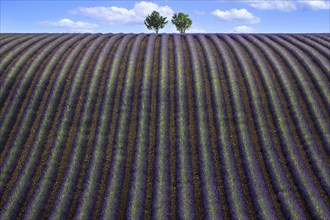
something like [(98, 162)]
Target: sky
[(208, 16)]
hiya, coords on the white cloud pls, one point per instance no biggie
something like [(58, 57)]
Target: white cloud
[(73, 26), (118, 15), (243, 29), (289, 5), (316, 4), (240, 15), (275, 5)]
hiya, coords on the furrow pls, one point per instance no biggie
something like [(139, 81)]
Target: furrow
[(172, 132), (80, 125), (11, 42), (305, 183), (27, 122), (12, 131), (232, 186), (185, 184), (135, 206), (257, 182), (309, 57), (304, 124), (161, 183), (13, 87), (281, 184), (210, 191), (14, 62), (110, 110), (44, 172), (212, 128), (152, 132), (93, 174), (111, 200), (132, 130)]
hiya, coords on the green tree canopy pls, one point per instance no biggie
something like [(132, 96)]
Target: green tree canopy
[(155, 21), (181, 21)]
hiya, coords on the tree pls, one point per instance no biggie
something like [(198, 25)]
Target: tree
[(181, 21), (155, 21)]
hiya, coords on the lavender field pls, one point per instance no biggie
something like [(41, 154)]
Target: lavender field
[(168, 126)]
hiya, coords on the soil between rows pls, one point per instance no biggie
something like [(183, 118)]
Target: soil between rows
[(192, 129)]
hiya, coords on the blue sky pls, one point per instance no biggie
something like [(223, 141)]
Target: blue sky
[(220, 16)]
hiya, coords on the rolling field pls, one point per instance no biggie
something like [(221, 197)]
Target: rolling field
[(169, 126)]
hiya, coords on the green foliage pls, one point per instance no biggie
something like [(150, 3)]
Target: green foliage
[(181, 21), (155, 21)]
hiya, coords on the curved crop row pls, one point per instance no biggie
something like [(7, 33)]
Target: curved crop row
[(85, 205), (280, 181), (94, 174), (135, 206), (21, 46), (235, 197), (12, 42), (18, 192), (113, 191), (256, 180), (186, 207), (73, 168), (51, 170), (161, 202), (305, 183), (308, 92), (318, 78), (9, 162), (154, 126), (211, 195)]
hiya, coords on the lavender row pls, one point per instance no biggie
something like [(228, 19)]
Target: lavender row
[(8, 120), (233, 190), (48, 173), (15, 199), (317, 158), (26, 121), (136, 204), (273, 164), (298, 168), (20, 49), (186, 209), (94, 172), (65, 195), (19, 92), (111, 200), (5, 38), (324, 42), (161, 189), (256, 180), (12, 42), (314, 44), (310, 57), (210, 191)]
